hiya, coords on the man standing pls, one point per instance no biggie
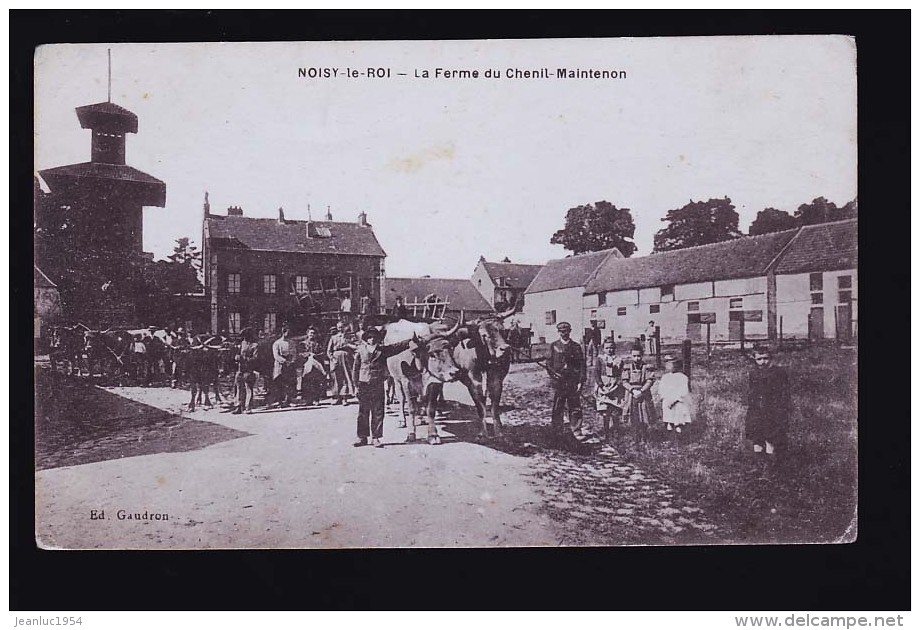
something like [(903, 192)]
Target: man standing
[(651, 339), (313, 377), (567, 372), (339, 352), (284, 353), (769, 404), (370, 374)]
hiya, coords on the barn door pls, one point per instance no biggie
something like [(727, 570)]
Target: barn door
[(735, 325), (694, 328), (816, 324), (844, 323)]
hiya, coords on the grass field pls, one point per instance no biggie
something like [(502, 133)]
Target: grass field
[(810, 494)]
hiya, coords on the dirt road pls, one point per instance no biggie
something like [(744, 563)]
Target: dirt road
[(291, 479)]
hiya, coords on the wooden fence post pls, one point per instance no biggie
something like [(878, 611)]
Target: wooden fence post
[(658, 346), (708, 341), (687, 347)]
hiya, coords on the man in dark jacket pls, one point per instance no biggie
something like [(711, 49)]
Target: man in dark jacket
[(369, 375), (566, 369), (769, 404)]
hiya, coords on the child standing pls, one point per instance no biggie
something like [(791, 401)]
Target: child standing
[(609, 391), (674, 389), (769, 404)]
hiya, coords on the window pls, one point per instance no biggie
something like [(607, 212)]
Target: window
[(269, 323), (550, 317), (845, 297), (736, 303), (654, 308), (233, 283), (844, 282), (602, 299), (621, 310), (269, 284), (817, 298), (816, 281), (667, 291), (594, 314), (693, 306), (302, 284), (234, 322)]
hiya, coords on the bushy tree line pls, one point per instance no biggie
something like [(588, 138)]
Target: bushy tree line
[(598, 226)]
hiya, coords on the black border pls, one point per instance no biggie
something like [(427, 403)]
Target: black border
[(871, 574)]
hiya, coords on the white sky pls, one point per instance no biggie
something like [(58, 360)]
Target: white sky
[(448, 169)]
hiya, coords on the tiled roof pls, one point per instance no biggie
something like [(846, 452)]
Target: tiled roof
[(739, 258), (518, 276), (822, 247), (461, 293), (91, 115), (574, 271), (116, 172), (40, 280), (291, 236)]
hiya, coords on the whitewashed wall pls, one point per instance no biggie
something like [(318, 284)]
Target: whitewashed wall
[(694, 291), (793, 302), (483, 283), (569, 307), (672, 315)]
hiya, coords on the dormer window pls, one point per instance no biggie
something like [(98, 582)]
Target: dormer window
[(319, 231)]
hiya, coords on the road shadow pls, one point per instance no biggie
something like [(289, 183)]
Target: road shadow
[(519, 439), (79, 423)]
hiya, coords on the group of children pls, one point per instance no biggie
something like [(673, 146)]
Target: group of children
[(623, 393), (623, 397)]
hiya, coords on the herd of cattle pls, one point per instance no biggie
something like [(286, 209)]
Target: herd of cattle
[(474, 353)]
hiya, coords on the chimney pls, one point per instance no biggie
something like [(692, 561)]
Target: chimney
[(234, 211), (207, 205), (362, 219), (506, 260), (329, 213), (281, 216)]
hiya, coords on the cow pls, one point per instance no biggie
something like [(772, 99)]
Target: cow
[(202, 368), (484, 358), (420, 372), (110, 350), (67, 345)]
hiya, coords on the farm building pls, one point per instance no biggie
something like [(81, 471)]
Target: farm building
[(722, 285), (556, 294), (734, 288), (254, 268), (502, 284), (816, 281), (460, 294)]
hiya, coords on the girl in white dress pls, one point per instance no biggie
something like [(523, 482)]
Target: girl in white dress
[(674, 389)]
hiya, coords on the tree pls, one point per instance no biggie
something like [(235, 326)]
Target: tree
[(850, 210), (182, 273), (820, 210), (771, 220), (698, 223), (187, 271), (592, 228)]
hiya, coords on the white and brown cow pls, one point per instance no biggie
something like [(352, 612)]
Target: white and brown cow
[(420, 372)]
